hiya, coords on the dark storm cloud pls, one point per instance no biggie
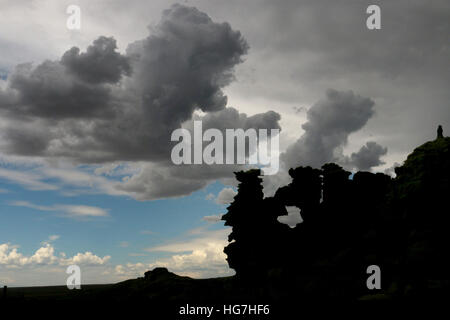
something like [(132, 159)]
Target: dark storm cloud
[(30, 139), (330, 122), (99, 106), (181, 66), (164, 179), (157, 180), (48, 92), (184, 64), (232, 118), (100, 63), (368, 156)]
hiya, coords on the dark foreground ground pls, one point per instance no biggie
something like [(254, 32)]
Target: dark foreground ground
[(164, 295)]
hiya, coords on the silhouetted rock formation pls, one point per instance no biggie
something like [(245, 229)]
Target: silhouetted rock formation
[(304, 192), (348, 224), (253, 241), (420, 205)]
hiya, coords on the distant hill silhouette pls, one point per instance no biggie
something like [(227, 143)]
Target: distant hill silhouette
[(350, 222)]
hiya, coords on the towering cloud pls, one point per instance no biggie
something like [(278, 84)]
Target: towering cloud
[(100, 63), (100, 106), (330, 122)]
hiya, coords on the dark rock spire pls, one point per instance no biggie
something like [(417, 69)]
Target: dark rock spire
[(439, 132)]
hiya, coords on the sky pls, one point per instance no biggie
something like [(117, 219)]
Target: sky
[(86, 116)]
